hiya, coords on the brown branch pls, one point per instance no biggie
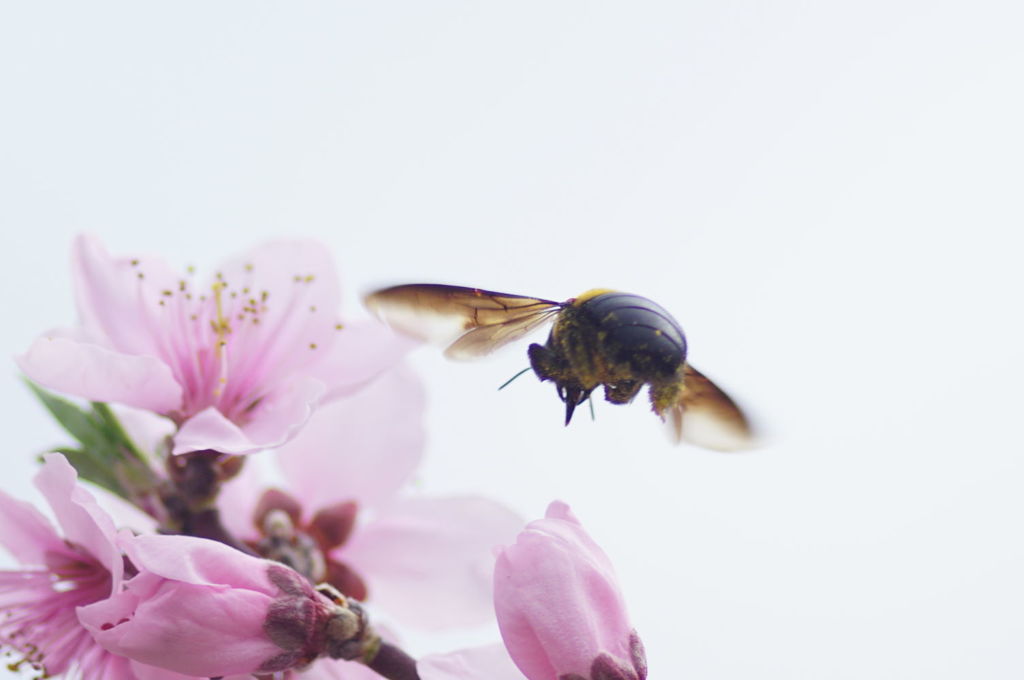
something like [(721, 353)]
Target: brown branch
[(393, 663)]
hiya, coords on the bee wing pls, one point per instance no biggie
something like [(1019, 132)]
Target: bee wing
[(708, 417), (472, 322)]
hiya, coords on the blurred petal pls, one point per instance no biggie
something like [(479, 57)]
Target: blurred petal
[(100, 374), (361, 448), (491, 662), (125, 515), (147, 430), (361, 351), (430, 561), (238, 499), (346, 580), (331, 526)]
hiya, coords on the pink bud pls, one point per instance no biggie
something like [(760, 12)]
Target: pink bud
[(202, 608), (559, 607)]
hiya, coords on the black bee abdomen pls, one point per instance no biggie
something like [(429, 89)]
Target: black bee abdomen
[(637, 332)]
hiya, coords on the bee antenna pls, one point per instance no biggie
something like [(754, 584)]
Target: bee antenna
[(590, 401), (507, 382)]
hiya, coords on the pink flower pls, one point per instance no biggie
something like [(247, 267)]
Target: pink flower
[(38, 603), (238, 363), (202, 608), (560, 611), (427, 561)]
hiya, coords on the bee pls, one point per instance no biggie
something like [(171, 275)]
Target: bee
[(601, 338)]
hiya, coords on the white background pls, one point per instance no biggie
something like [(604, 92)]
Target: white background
[(827, 195)]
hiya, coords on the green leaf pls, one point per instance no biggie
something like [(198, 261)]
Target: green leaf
[(78, 422), (107, 456), (115, 432), (93, 470)]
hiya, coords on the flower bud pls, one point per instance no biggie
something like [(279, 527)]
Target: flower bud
[(559, 607), (202, 608)]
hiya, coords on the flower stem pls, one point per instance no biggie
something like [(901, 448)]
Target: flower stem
[(189, 500), (393, 663)]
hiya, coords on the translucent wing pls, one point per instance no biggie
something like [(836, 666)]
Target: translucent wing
[(708, 417), (475, 322)]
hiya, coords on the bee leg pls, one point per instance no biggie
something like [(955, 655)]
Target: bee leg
[(665, 396), (622, 392)]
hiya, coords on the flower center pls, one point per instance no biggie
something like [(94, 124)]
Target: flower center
[(310, 548), (229, 347)]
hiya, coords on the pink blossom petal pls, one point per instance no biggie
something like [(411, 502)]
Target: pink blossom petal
[(300, 315), (277, 419), (209, 429), (183, 627), (361, 351), (26, 533), (429, 561), (557, 601), (362, 448), (116, 296), (198, 561), (282, 414), (490, 662), (39, 602), (84, 522), (100, 374)]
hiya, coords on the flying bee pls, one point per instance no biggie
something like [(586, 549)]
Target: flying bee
[(602, 337)]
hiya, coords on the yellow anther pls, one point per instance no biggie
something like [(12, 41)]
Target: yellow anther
[(220, 325)]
